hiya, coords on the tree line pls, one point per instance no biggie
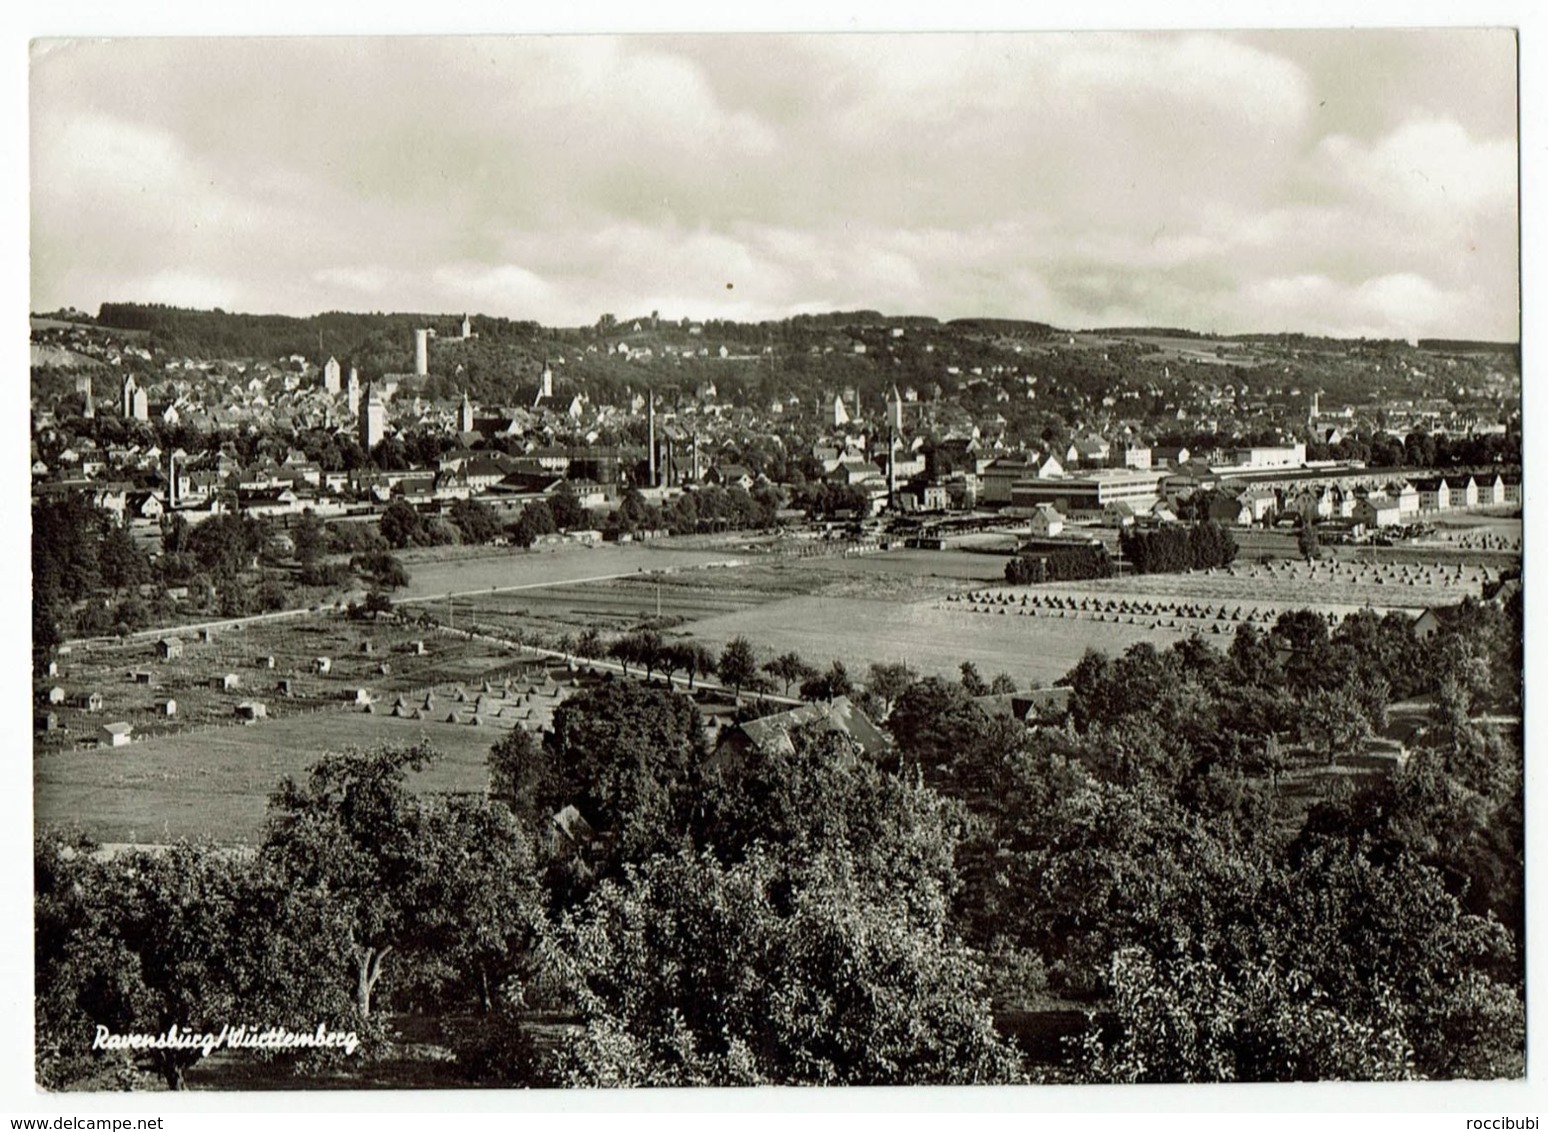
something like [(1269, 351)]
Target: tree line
[(1174, 548), (1074, 563)]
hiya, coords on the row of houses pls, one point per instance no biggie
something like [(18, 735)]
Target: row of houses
[(1129, 493)]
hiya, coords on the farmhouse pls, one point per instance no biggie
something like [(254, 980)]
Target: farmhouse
[(772, 732), (1041, 705), (1118, 514), (1046, 521), (569, 827), (1433, 620), (115, 734)]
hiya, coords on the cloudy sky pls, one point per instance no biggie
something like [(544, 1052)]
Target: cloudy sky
[(1350, 182)]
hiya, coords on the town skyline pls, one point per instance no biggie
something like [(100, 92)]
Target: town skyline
[(1342, 183)]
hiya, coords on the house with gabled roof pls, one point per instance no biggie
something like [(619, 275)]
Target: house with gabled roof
[(771, 733)]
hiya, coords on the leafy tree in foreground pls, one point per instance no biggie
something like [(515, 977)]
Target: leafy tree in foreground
[(136, 943), (624, 755), (689, 972), (445, 890)]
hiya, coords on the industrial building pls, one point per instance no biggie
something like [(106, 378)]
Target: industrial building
[(1088, 494)]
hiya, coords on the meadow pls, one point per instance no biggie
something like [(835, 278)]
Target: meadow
[(212, 784)]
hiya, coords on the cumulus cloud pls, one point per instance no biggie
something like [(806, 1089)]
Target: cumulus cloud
[(1077, 178), (1430, 169)]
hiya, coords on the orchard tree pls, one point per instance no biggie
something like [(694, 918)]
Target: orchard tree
[(400, 525), (788, 668), (566, 508), (691, 658), (1336, 720), (886, 684), (1306, 540), (738, 665), (829, 685), (308, 537)]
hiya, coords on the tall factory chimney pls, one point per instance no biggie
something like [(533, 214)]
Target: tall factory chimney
[(650, 418), (892, 468), (421, 352)]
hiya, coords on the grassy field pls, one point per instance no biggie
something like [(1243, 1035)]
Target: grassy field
[(441, 575), (915, 606), (930, 636), (212, 784)]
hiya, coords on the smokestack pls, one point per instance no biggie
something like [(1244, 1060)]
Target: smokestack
[(892, 469), (421, 352), (650, 417), (172, 480), (695, 457)]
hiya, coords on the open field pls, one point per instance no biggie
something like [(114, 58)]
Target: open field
[(435, 576), (213, 783), (913, 606), (1472, 531), (930, 636), (691, 595)]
